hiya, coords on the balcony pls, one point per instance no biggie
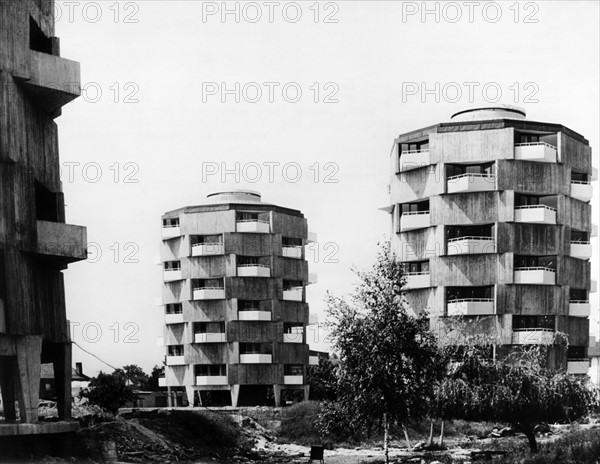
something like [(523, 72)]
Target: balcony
[(581, 250), (533, 336), (256, 358), (206, 293), (580, 308), (53, 81), (292, 252), (211, 380), (313, 360), (207, 249), (536, 151), (293, 294), (293, 379), (256, 226), (535, 214), (253, 270), (471, 183), (66, 242), (256, 315), (471, 307), (470, 245), (535, 275), (578, 366), (418, 280), (172, 275), (210, 338), (413, 159), (171, 232), (292, 337), (174, 318), (175, 360), (414, 220), (582, 190)]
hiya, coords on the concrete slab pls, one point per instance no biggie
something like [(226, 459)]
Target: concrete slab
[(38, 428)]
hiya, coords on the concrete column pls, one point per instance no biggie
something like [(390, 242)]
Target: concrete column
[(306, 389), (189, 391), (62, 379), (29, 361), (277, 394), (235, 393), (7, 385)]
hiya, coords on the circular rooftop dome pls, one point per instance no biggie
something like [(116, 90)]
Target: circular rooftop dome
[(489, 112), (234, 196)]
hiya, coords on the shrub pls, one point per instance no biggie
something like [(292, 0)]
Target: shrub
[(298, 423)]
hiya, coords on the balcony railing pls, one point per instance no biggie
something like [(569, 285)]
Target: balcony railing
[(293, 379), (471, 245), (581, 249), (536, 151), (533, 336), (292, 252), (580, 308), (253, 226), (171, 275), (413, 159), (174, 318), (253, 270), (418, 280), (293, 337), (254, 315), (211, 380), (293, 294), (471, 183), (578, 366), (175, 360), (536, 214), (414, 220), (209, 293), (256, 358), (207, 249), (535, 275), (582, 190), (210, 337), (171, 232), (470, 307)]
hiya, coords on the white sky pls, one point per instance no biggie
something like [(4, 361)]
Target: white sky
[(369, 55)]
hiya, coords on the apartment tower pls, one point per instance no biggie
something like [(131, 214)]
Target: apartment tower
[(35, 243), (234, 288), (491, 214)]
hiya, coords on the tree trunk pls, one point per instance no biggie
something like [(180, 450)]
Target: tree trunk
[(442, 435), (431, 434), (406, 436), (386, 438), (527, 429)]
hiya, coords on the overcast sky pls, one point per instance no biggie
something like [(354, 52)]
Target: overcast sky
[(322, 90)]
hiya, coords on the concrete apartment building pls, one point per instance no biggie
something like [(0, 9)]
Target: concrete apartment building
[(35, 243), (491, 214), (235, 278)]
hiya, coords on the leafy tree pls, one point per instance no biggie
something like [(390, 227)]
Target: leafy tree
[(134, 376), (518, 390), (108, 391), (157, 373), (323, 380), (389, 360)]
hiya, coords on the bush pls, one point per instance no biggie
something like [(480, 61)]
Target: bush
[(108, 391), (298, 423)]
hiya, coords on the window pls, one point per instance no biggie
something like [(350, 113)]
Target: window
[(171, 222), (534, 200), (578, 294), (579, 236), (293, 328), (175, 350), (422, 145), (38, 41), (485, 169), (417, 267), (416, 207), (533, 322), (206, 239), (291, 242), (453, 232), (174, 308), (578, 177), (248, 305), (293, 369), (173, 266), (199, 284), (548, 262), (466, 293), (247, 261), (521, 137), (291, 284), (577, 352), (46, 204), (210, 370), (209, 327), (255, 348)]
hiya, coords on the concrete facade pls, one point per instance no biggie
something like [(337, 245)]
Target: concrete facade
[(234, 288), (490, 212), (35, 243)]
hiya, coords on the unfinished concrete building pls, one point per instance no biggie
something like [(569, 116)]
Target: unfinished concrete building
[(234, 301), (35, 243), (491, 214)]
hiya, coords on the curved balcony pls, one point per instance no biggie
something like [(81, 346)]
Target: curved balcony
[(293, 379), (533, 336), (253, 270), (256, 315), (578, 366), (582, 190), (207, 249), (535, 214), (169, 232), (535, 275), (414, 220), (581, 249), (293, 294), (292, 252), (413, 159), (175, 360), (470, 245), (293, 337), (471, 307), (256, 358), (471, 182), (536, 151), (580, 308)]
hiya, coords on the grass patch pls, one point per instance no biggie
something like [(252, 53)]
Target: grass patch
[(298, 424)]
